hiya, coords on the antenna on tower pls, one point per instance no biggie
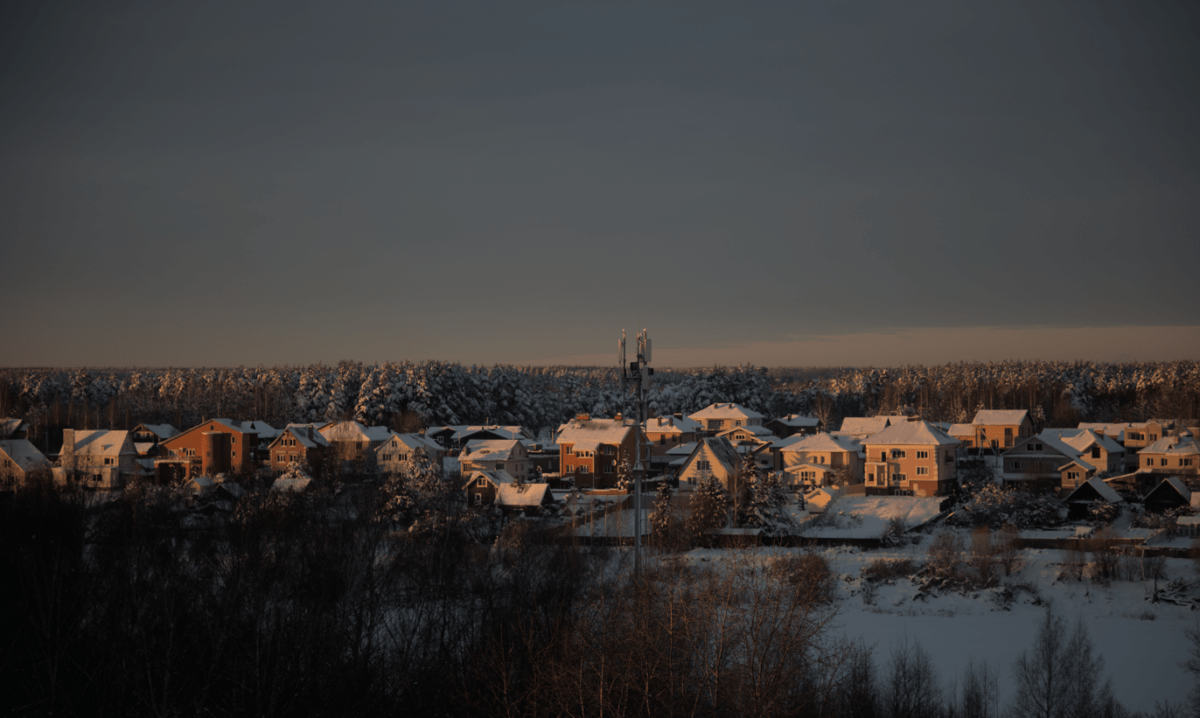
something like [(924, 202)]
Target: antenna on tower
[(636, 375)]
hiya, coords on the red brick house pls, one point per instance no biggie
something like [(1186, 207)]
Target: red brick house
[(590, 450)]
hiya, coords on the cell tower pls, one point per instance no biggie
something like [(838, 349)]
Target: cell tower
[(635, 376)]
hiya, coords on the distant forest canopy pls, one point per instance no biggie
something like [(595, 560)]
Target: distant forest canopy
[(409, 395)]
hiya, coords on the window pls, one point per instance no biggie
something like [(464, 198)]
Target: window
[(108, 462), (1095, 452), (608, 468), (1073, 476), (702, 465), (569, 449), (899, 477), (898, 453), (233, 438), (233, 454), (922, 454), (1185, 462), (1016, 465), (922, 470), (478, 499), (583, 469), (1035, 447), (608, 449), (570, 468), (1162, 461)]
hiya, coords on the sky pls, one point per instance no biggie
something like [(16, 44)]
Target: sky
[(777, 183)]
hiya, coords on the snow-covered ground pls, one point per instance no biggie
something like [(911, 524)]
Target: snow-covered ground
[(1143, 643), (868, 516)]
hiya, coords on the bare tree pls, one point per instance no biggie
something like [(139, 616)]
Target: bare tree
[(912, 689)]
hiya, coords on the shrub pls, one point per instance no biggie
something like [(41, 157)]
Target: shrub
[(888, 569)]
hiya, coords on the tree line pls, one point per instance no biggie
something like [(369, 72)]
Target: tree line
[(408, 395)]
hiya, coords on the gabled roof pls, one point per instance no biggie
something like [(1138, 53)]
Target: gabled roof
[(1171, 484), (797, 468), (756, 430), (102, 442), (1096, 485), (820, 442), (354, 431), (682, 449), (1082, 439), (1077, 462), (961, 430), (671, 425), (722, 450), (306, 435), (727, 410), (414, 442), (589, 434), (489, 450), (227, 424), (918, 432), (264, 430), (1001, 417), (495, 478), (24, 454)]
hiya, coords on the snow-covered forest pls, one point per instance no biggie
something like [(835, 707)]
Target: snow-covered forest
[(409, 395)]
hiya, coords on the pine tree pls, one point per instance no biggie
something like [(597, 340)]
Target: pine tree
[(661, 518), (708, 509)]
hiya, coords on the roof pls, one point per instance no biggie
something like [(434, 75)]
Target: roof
[(918, 432), (1002, 417), (1077, 462), (723, 450), (589, 434), (489, 450), (797, 468), (755, 430), (1173, 484), (262, 428), (1069, 442), (162, 431), (956, 430), (354, 431), (1173, 445), (101, 442), (682, 450), (10, 426), (864, 424), (414, 442), (496, 478), (1116, 431), (24, 454), (1098, 485), (799, 421), (291, 483), (820, 442), (671, 425), (521, 494), (307, 439), (727, 410)]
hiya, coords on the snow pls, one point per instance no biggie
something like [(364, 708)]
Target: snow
[(1000, 417), (617, 524), (23, 453), (868, 516), (725, 411), (590, 434), (523, 495), (919, 432)]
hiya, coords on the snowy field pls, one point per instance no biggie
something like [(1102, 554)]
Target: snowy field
[(868, 516), (1142, 643)]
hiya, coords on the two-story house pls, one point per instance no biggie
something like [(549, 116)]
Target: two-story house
[(1176, 455), (212, 447), (18, 457), (395, 455), (591, 450), (352, 445), (507, 455), (820, 460), (298, 445), (1000, 429), (912, 457), (666, 432), (102, 459), (714, 457), (861, 427), (792, 424), (1060, 458)]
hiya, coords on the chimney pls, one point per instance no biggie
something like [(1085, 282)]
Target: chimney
[(660, 421), (68, 447), (582, 417)]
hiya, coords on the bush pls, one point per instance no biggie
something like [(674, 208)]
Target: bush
[(888, 569), (809, 572), (996, 506)]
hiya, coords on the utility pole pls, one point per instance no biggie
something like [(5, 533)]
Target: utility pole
[(636, 375)]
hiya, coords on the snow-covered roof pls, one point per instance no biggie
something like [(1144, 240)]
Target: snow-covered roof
[(1077, 462), (496, 478), (143, 447), (727, 410), (291, 483), (799, 421), (797, 468), (1069, 442), (414, 442), (489, 450), (101, 442), (752, 430), (671, 425), (354, 431), (1001, 417), (264, 430), (723, 450), (820, 442), (521, 494), (22, 453), (589, 434), (961, 430), (1173, 445), (1175, 484), (917, 432), (682, 450), (306, 435), (866, 425)]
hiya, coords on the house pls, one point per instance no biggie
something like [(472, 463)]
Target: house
[(153, 433), (817, 500), (103, 459), (396, 454), (499, 488), (1001, 428), (666, 432), (1045, 460), (298, 445), (353, 445), (823, 454), (507, 455), (794, 424), (1171, 454), (716, 418), (1171, 493), (1140, 434), (215, 446), (911, 457), (713, 456), (18, 457), (591, 450)]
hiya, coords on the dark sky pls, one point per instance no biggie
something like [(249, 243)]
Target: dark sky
[(222, 183)]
